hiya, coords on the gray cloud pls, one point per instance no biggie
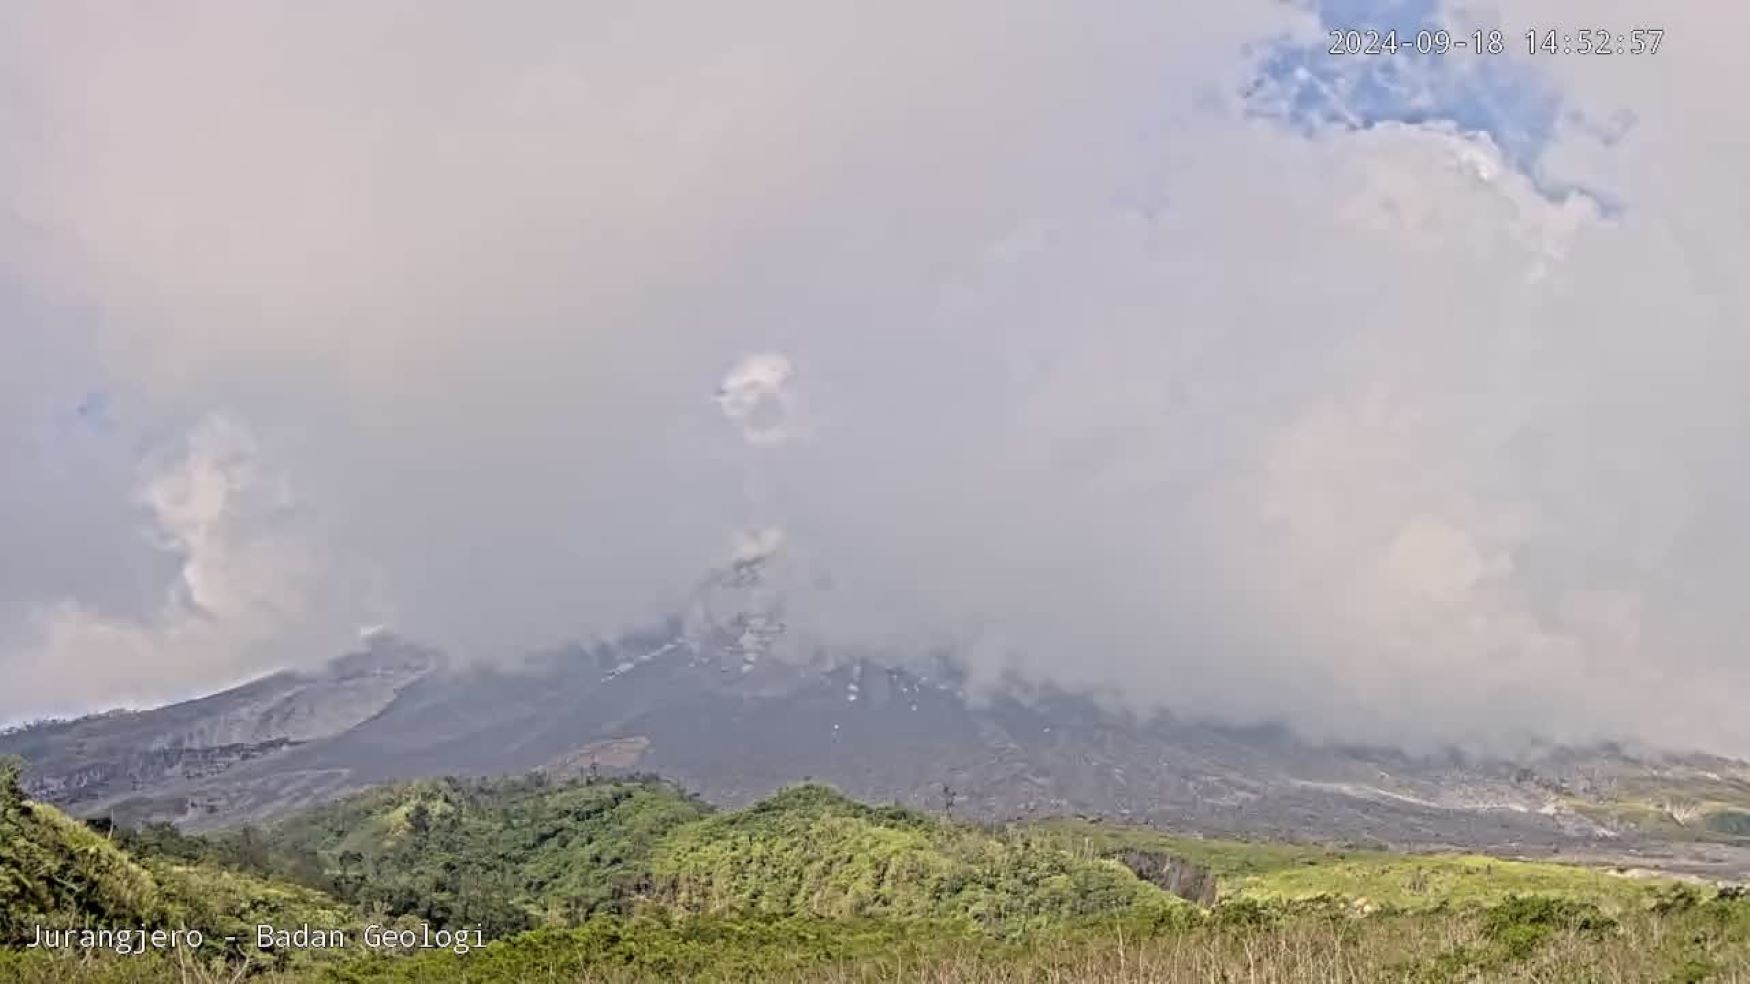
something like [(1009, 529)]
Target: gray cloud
[(1084, 371)]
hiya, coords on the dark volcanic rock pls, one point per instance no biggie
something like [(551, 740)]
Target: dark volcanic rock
[(1191, 882)]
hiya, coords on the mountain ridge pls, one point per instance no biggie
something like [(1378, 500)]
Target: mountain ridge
[(737, 730), (709, 699)]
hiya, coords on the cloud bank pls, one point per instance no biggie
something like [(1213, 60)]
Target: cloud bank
[(1080, 341)]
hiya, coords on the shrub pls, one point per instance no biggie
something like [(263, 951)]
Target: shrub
[(1523, 923)]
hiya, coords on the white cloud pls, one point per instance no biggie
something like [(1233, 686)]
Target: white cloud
[(1106, 381), (756, 397), (248, 592)]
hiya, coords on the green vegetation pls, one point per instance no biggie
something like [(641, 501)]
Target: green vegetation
[(1229, 859), (54, 870), (1416, 882), (810, 851), (1269, 873), (707, 948), (504, 855), (633, 880), (1536, 940), (58, 873), (1731, 823), (1518, 940)]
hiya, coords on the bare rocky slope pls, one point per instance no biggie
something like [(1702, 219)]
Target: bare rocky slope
[(702, 701)]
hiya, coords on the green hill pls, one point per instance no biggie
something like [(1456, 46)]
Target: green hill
[(505, 855), (809, 851), (56, 871), (514, 854)]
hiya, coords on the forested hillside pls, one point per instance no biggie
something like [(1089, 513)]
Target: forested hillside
[(634, 879), (58, 873), (515, 854)]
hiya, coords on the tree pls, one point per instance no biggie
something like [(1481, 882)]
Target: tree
[(11, 770), (252, 850)]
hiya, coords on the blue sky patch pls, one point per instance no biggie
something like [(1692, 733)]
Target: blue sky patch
[(1502, 96)]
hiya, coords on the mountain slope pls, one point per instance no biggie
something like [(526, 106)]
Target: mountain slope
[(714, 700), (86, 764)]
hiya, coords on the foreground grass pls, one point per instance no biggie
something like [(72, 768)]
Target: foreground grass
[(1682, 939)]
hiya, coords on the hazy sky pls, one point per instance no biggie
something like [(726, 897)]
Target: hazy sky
[(1137, 347)]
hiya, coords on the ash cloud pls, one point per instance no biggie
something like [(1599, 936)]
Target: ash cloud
[(755, 396), (1033, 342)]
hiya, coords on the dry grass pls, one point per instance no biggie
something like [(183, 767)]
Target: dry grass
[(1415, 949)]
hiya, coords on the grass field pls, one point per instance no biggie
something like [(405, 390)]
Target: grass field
[(1517, 941), (632, 880)]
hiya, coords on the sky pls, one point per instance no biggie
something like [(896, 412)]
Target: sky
[(1143, 349)]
